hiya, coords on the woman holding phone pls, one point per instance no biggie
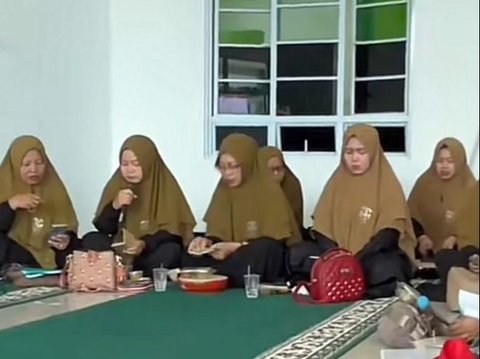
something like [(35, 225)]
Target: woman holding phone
[(38, 224)]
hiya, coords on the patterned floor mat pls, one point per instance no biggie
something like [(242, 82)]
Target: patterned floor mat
[(335, 336), (28, 294)]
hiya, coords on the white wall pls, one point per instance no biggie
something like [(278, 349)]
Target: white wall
[(54, 83), (59, 68), (158, 66)]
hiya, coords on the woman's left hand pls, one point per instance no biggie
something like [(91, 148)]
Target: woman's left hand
[(449, 243), (223, 250), (59, 241)]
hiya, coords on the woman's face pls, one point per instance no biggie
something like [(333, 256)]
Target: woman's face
[(356, 157), (230, 170), (130, 167), (445, 164), (277, 168), (32, 168)]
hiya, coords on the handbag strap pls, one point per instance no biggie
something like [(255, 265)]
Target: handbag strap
[(334, 253)]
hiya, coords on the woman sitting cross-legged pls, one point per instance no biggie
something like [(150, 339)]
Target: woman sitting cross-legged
[(38, 224), (438, 196), (363, 209), (465, 231), (144, 199), (249, 220)]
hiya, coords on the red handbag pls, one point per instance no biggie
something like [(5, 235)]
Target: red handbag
[(336, 277)]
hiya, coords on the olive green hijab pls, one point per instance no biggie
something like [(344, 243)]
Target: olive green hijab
[(353, 208), (434, 202), (160, 202), (290, 184), (257, 208), (32, 229)]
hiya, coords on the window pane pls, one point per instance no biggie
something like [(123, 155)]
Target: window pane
[(392, 138), (244, 63), (306, 98), (245, 4), (362, 2), (381, 23), (258, 133), (380, 96), (307, 60), (243, 98), (380, 59), (283, 2), (311, 139), (311, 23), (244, 28)]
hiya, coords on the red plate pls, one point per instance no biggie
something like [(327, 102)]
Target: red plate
[(214, 283)]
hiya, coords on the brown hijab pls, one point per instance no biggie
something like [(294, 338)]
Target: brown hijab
[(466, 223), (291, 185), (434, 202), (353, 208), (160, 203), (258, 208), (32, 229)]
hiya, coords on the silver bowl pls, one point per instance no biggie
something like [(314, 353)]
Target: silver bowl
[(190, 272)]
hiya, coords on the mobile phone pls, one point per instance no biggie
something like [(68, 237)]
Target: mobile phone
[(59, 229)]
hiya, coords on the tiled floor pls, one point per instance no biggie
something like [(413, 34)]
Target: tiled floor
[(37, 310), (33, 311)]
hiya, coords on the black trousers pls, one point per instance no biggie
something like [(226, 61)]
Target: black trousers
[(12, 252), (264, 256), (161, 249), (446, 259)]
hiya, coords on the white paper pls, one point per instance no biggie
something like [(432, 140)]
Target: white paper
[(468, 303)]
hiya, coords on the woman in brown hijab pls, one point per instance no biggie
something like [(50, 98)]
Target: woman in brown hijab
[(249, 220), (273, 158), (437, 197), (363, 209), (143, 198), (38, 224), (465, 230)]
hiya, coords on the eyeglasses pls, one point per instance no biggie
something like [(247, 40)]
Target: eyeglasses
[(229, 168)]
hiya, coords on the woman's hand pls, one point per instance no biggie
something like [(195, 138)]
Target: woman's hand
[(222, 250), (135, 249), (28, 201), (59, 241), (450, 242), (425, 245), (124, 198), (465, 328), (199, 244)]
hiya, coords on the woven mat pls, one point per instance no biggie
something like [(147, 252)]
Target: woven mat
[(336, 335), (19, 296)]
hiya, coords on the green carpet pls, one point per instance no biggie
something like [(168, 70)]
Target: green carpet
[(171, 325)]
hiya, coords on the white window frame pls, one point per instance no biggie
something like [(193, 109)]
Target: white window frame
[(345, 73)]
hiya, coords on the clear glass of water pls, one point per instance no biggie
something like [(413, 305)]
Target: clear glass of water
[(160, 276), (252, 284)]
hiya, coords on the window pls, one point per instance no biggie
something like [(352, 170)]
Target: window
[(259, 133), (292, 73)]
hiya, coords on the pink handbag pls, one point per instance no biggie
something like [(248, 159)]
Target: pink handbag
[(92, 271)]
